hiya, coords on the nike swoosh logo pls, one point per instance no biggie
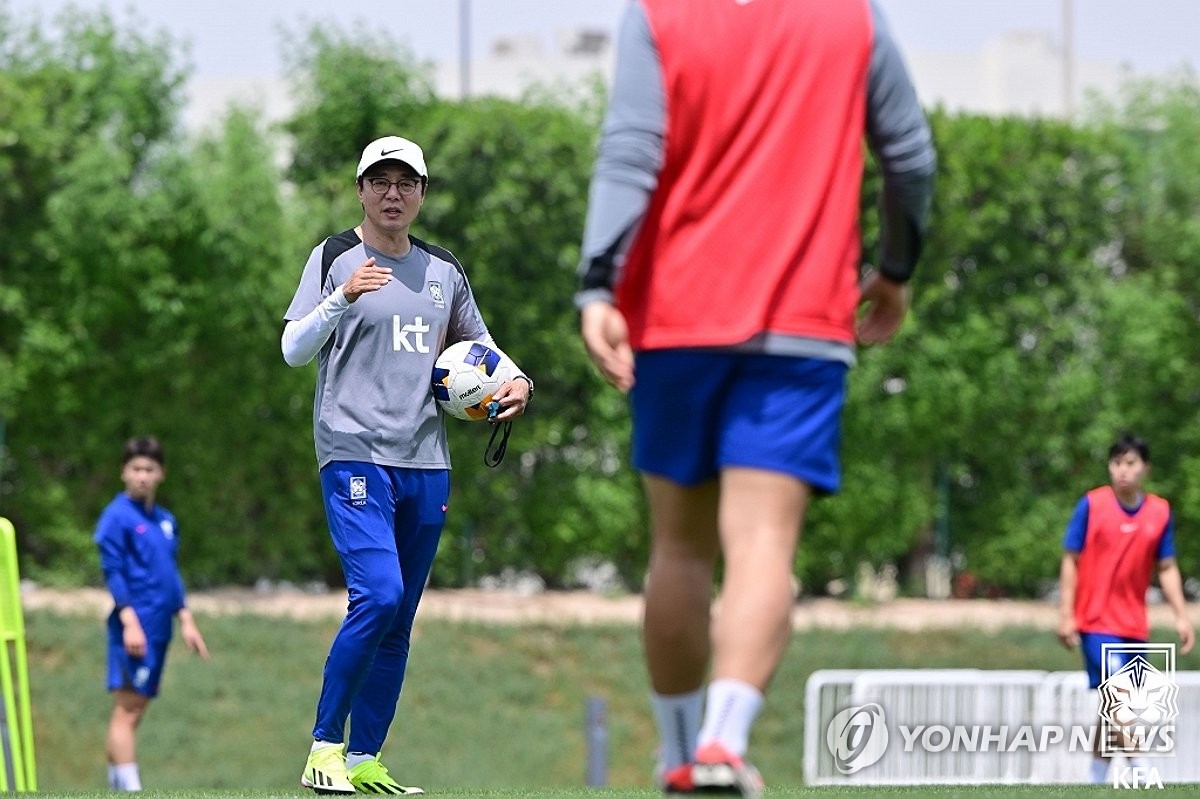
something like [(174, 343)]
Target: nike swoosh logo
[(389, 152)]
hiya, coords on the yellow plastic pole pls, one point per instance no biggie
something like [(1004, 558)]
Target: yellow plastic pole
[(14, 671)]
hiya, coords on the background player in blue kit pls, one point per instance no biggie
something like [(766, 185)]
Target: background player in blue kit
[(376, 306), (138, 543)]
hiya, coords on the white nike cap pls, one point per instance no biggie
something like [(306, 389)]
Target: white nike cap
[(392, 148)]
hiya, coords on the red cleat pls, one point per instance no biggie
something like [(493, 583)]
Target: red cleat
[(715, 770)]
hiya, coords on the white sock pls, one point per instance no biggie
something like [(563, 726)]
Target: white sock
[(729, 713), (112, 777), (321, 745), (125, 777), (1099, 771), (678, 717), (354, 758)]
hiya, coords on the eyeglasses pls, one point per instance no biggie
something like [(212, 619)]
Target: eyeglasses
[(406, 186)]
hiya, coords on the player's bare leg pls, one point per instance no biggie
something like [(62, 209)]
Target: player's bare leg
[(753, 518), (129, 707), (761, 515), (759, 519), (678, 597), (678, 600)]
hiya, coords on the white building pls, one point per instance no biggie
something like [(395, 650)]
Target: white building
[(515, 63), (1022, 72), (1018, 72)]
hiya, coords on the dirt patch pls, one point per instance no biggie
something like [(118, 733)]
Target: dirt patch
[(584, 607)]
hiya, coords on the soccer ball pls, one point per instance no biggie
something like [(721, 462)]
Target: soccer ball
[(466, 375)]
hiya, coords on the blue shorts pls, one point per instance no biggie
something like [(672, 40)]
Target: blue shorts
[(140, 675), (696, 412), (1092, 646)]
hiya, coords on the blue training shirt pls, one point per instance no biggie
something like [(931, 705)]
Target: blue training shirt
[(1074, 538), (138, 555)]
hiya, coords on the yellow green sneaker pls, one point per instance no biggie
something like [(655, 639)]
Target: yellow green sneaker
[(371, 776), (325, 771)]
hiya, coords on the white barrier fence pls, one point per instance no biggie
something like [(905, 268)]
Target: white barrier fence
[(977, 726)]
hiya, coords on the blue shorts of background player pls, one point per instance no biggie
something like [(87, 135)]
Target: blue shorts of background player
[(696, 412), (138, 674), (1092, 646)]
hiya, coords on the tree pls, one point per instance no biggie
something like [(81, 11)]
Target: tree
[(84, 290), (144, 277)]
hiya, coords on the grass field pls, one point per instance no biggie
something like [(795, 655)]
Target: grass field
[(773, 792), (487, 711)]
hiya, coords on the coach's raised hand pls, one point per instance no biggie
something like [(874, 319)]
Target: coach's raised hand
[(367, 277)]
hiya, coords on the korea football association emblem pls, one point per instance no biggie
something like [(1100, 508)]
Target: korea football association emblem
[(435, 293), (358, 490), (1138, 699)]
